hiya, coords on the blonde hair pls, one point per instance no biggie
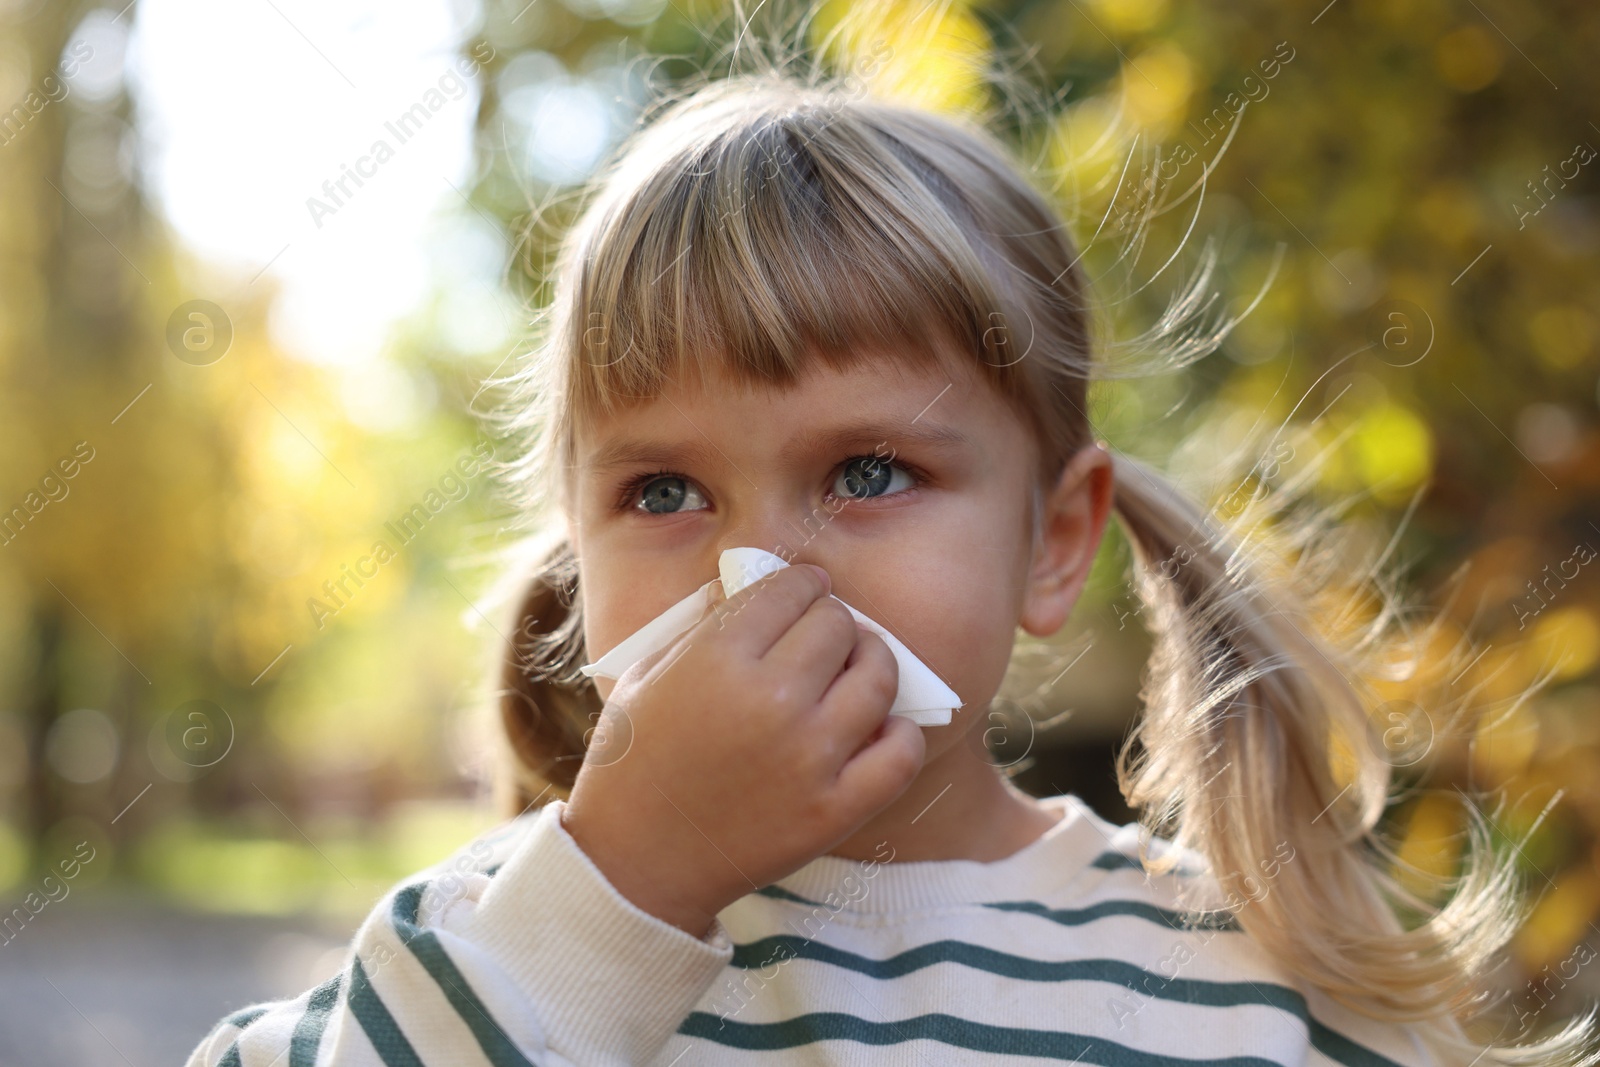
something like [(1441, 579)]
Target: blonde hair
[(777, 214)]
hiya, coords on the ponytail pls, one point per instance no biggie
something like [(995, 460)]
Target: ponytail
[(1255, 749), (546, 705)]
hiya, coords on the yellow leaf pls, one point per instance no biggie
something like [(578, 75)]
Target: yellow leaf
[(1468, 59), (1393, 451), (929, 56), (1560, 920), (1562, 334), (1156, 85), (1569, 640), (1432, 844), (1123, 17), (1505, 739)]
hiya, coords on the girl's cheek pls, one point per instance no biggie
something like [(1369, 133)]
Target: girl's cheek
[(980, 640)]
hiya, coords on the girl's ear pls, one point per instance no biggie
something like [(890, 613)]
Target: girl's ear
[(1074, 520)]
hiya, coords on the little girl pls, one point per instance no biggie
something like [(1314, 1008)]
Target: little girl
[(851, 333)]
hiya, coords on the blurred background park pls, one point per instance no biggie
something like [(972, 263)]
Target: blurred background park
[(257, 259)]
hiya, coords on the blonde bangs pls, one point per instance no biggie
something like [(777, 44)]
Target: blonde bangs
[(780, 237)]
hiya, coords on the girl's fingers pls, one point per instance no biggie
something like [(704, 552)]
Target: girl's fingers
[(820, 643), (855, 705), (877, 774), (752, 621)]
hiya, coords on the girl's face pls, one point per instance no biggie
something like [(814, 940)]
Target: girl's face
[(912, 489)]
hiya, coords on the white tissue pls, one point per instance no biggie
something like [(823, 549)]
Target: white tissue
[(922, 697)]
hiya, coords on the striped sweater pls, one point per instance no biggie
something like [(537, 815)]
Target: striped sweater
[(518, 951)]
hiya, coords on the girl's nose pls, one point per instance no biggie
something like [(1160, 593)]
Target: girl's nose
[(796, 538)]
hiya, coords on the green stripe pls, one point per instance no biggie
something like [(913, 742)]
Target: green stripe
[(1336, 1046), (380, 1027), (1117, 861), (244, 1018), (230, 1058), (761, 953), (777, 892), (424, 944), (945, 1029), (308, 1031), (1105, 861), (1174, 920)]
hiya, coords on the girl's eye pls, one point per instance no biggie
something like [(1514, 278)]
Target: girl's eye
[(666, 493), (866, 477), (861, 478)]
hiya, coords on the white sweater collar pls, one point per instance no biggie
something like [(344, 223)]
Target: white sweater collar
[(1044, 865)]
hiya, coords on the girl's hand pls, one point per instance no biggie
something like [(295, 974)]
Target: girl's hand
[(754, 742)]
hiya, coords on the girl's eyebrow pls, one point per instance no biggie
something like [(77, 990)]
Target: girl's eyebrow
[(629, 451)]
